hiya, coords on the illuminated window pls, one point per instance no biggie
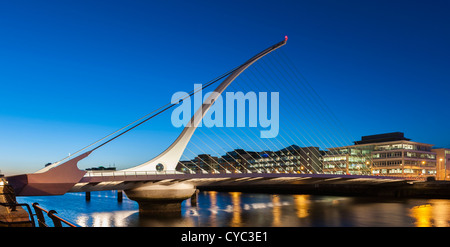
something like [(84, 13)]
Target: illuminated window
[(336, 158), (408, 146), (409, 154), (397, 146), (395, 171)]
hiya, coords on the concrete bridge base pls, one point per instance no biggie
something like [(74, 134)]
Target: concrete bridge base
[(161, 200)]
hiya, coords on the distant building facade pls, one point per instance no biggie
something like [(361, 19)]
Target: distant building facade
[(347, 160), (203, 162), (389, 154), (292, 159)]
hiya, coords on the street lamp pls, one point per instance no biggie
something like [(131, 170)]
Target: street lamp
[(445, 168), (423, 163)]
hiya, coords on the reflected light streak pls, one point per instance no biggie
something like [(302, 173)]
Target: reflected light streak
[(105, 219), (276, 211), (301, 205), (236, 220), (436, 213), (422, 214), (441, 212), (213, 207)]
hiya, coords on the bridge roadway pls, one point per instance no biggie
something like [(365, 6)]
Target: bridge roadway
[(162, 193), (244, 182)]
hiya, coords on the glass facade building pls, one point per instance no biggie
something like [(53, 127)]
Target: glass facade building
[(349, 160), (389, 154), (292, 159)]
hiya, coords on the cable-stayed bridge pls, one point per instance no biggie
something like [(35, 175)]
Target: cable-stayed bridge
[(159, 182)]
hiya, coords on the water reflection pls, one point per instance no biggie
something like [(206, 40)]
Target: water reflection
[(104, 219), (432, 213), (301, 205), (236, 209), (276, 211), (218, 209), (213, 207)]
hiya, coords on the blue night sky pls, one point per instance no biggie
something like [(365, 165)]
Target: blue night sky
[(72, 72)]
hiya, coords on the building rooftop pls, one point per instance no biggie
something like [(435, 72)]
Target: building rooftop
[(386, 137)]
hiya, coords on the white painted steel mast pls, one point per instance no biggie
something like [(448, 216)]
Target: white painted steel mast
[(170, 157)]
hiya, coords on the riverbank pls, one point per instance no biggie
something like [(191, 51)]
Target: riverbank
[(396, 189)]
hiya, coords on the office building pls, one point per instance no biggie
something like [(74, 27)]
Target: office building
[(389, 154), (292, 159)]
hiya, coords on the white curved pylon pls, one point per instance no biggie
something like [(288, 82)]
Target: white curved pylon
[(170, 157)]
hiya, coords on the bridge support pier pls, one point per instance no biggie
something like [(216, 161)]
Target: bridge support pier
[(161, 200), (194, 198), (119, 196)]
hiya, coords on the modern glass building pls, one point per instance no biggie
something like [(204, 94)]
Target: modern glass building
[(292, 159), (389, 154), (348, 160)]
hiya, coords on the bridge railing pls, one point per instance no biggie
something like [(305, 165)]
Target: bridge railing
[(57, 221), (149, 173), (130, 173)]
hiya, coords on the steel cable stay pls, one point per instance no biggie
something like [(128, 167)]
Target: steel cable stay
[(308, 111), (165, 109), (336, 141), (203, 152), (232, 139), (227, 152), (281, 136), (215, 142), (328, 116), (233, 157), (316, 134), (256, 137), (187, 132), (244, 149), (283, 146), (292, 69), (202, 161), (143, 119), (302, 143), (268, 76), (227, 143), (330, 139), (292, 132), (279, 158), (238, 136), (303, 129)]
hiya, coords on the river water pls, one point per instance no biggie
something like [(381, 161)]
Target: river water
[(235, 209)]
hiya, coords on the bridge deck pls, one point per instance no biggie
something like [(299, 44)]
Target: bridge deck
[(145, 176), (121, 181)]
